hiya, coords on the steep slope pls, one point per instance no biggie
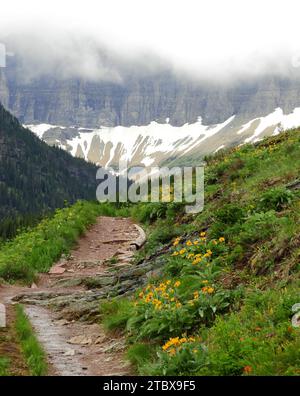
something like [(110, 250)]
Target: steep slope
[(225, 296), (36, 178)]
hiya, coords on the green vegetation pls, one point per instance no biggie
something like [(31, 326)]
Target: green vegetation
[(222, 304), (4, 366), (33, 353), (36, 250), (35, 179)]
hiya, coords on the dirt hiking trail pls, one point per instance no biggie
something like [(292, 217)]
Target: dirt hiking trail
[(75, 346)]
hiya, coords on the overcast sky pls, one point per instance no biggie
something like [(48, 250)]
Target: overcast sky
[(203, 37)]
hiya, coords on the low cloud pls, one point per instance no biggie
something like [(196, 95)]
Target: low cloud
[(110, 41)]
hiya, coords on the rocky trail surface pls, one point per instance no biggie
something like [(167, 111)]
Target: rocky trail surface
[(63, 305)]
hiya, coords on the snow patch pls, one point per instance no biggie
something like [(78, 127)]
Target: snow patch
[(276, 119), (146, 142)]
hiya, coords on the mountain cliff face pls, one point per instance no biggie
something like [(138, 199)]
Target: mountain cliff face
[(151, 118), (140, 100)]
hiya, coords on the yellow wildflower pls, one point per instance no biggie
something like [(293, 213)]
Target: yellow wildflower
[(207, 289), (197, 260), (172, 351), (221, 239), (177, 284), (176, 241)]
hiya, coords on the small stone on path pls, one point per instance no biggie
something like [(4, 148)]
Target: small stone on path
[(80, 340), (69, 352), (57, 270)]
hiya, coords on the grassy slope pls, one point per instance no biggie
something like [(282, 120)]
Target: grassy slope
[(241, 325)]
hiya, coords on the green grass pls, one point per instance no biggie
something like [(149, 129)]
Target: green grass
[(115, 313), (259, 336), (33, 353), (140, 354), (4, 366), (244, 326)]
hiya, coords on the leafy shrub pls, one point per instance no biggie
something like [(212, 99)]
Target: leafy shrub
[(149, 212), (275, 199), (230, 214), (179, 356), (258, 226)]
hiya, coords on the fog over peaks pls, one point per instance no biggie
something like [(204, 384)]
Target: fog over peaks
[(111, 40)]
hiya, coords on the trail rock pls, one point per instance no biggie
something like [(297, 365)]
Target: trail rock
[(139, 242), (80, 340), (2, 316), (56, 270), (69, 352)]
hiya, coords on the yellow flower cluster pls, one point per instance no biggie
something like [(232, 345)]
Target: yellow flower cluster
[(204, 290), (175, 344), (189, 251), (161, 296)]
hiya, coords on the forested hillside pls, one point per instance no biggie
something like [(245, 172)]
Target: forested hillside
[(36, 178)]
